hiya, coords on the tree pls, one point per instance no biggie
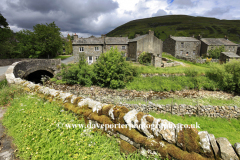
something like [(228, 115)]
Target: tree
[(45, 41), (215, 53), (48, 39), (6, 38), (112, 70), (68, 45)]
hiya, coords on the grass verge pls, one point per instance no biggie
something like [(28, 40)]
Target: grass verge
[(193, 101), (175, 83), (220, 127), (33, 123)]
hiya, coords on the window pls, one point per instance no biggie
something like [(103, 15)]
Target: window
[(181, 52), (111, 46), (96, 48), (158, 55), (182, 44), (96, 58), (63, 44), (194, 52), (233, 48), (211, 48), (90, 59), (63, 50), (123, 47), (81, 49)]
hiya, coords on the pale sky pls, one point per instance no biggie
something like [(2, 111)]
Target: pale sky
[(96, 17)]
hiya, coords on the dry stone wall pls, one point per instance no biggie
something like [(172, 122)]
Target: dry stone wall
[(175, 142)]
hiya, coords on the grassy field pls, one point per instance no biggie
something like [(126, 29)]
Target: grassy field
[(220, 127), (192, 101), (34, 125), (200, 68), (62, 57), (180, 25), (175, 83)]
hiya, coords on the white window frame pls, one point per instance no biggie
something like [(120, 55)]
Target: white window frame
[(182, 44), (90, 61), (123, 47), (194, 52), (181, 52), (96, 48), (81, 49)]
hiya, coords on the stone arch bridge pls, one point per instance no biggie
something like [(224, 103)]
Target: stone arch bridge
[(32, 70)]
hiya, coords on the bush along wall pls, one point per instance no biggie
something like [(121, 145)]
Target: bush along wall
[(141, 131)]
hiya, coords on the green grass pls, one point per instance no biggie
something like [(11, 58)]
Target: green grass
[(192, 101), (3, 83), (220, 127), (7, 93), (170, 83), (62, 57), (32, 122), (180, 25)]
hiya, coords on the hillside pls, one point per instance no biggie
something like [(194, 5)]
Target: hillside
[(181, 25)]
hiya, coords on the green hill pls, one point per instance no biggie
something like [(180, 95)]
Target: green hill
[(181, 25)]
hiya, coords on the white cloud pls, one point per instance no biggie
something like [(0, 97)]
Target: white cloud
[(101, 16)]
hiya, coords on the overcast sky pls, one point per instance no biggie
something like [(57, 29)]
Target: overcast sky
[(96, 17)]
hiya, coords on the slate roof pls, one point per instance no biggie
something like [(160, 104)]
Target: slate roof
[(185, 39), (95, 40), (116, 40), (218, 41), (100, 40), (231, 54), (138, 38)]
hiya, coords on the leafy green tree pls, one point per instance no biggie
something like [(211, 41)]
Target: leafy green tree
[(112, 70), (215, 53), (145, 58), (27, 44), (68, 45), (6, 39), (48, 39)]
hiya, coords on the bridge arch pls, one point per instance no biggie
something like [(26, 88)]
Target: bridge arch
[(33, 70)]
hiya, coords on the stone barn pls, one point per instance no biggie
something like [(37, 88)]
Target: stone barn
[(146, 43), (228, 56), (182, 47), (212, 43)]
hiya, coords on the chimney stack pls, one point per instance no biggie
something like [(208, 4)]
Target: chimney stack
[(103, 35), (75, 37), (151, 32), (199, 37)]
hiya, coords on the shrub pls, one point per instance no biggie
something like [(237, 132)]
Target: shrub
[(227, 76), (112, 70), (144, 58), (191, 72), (215, 53), (78, 74)]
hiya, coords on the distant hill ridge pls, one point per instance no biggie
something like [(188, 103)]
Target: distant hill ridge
[(180, 25)]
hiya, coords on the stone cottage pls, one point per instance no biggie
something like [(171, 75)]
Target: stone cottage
[(228, 56), (94, 46), (146, 43), (182, 47), (211, 43)]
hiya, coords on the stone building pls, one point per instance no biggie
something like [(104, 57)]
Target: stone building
[(228, 56), (94, 46), (238, 50), (182, 47), (146, 43), (211, 43)]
